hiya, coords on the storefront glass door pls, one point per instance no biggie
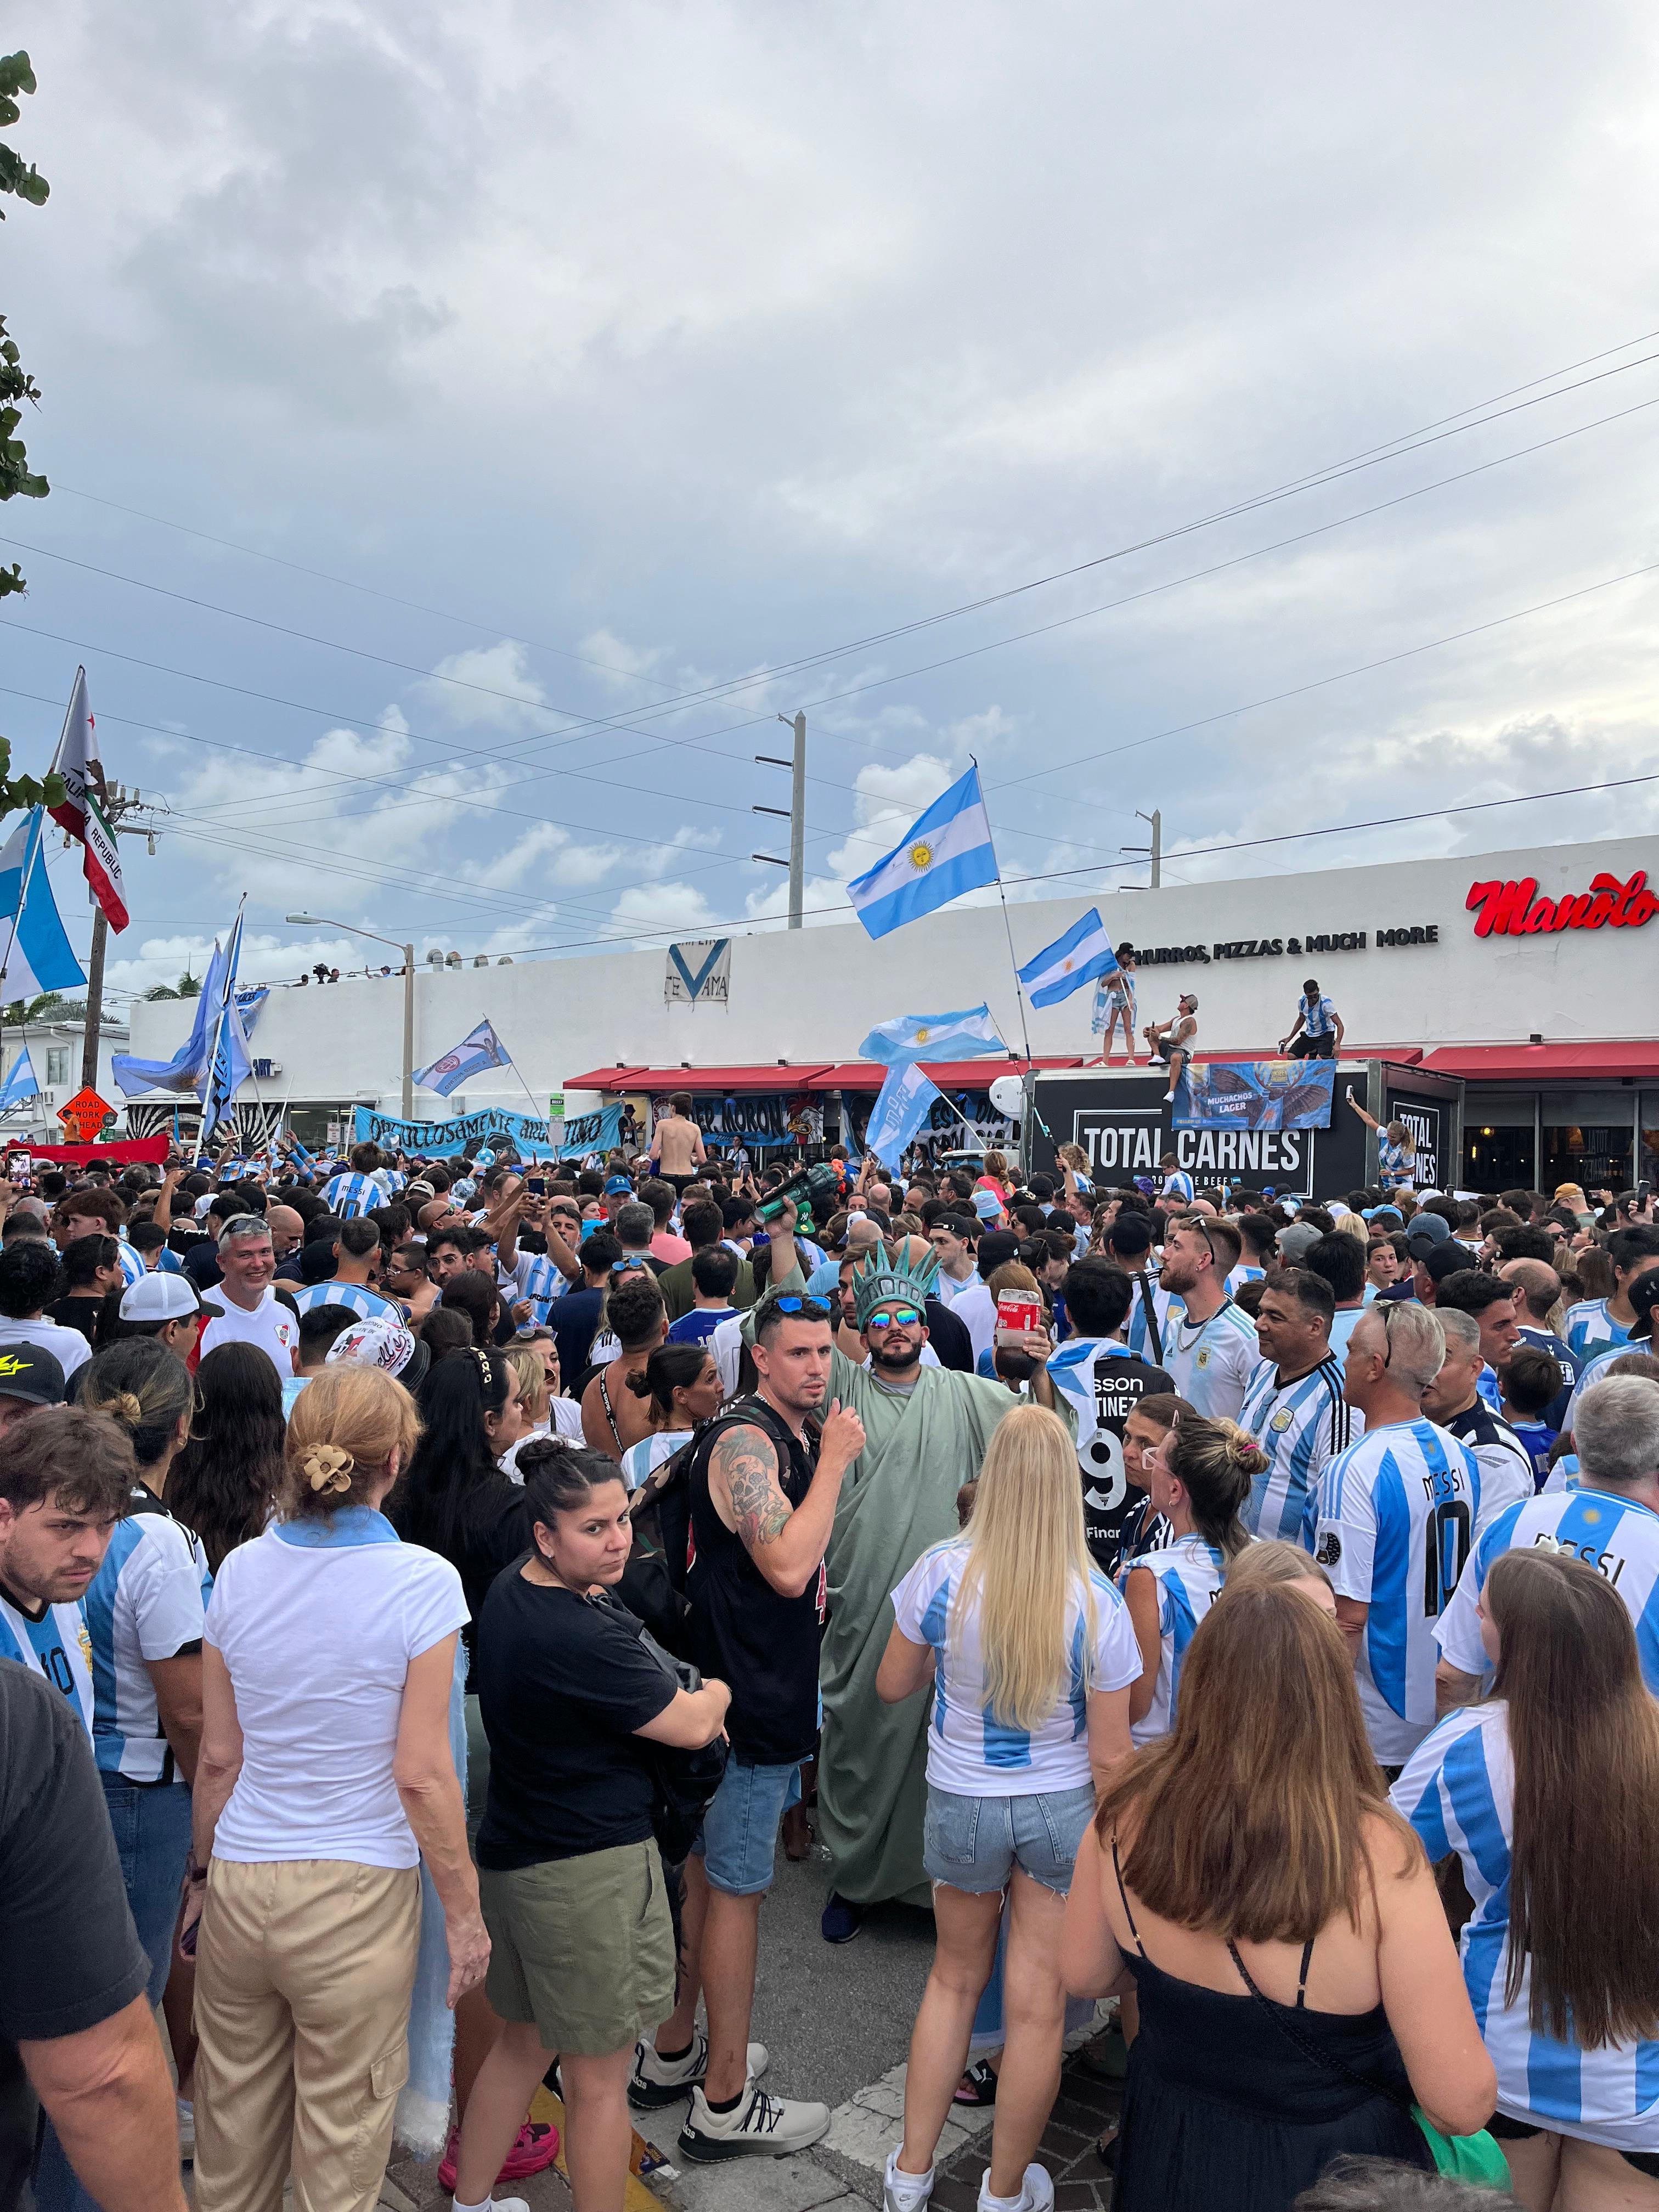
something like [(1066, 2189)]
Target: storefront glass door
[(1587, 1139), (1497, 1159)]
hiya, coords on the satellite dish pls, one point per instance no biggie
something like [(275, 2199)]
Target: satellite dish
[(1008, 1095)]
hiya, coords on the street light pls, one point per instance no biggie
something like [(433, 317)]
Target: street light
[(321, 921)]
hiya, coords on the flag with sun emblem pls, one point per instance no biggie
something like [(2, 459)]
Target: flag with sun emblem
[(970, 1034), (945, 852)]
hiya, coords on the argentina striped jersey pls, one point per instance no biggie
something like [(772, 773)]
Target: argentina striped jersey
[(1588, 1327), (355, 1298), (1302, 1426), (1395, 1519), (147, 1601), (1458, 1792), (133, 1263), (58, 1643), (1615, 1536), (1149, 1324), (1188, 1573), (1212, 1362), (345, 1195)]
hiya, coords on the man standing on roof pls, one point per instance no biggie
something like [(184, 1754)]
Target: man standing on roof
[(925, 1430), (676, 1146)]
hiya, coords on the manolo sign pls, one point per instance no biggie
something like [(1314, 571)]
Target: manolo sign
[(1510, 909)]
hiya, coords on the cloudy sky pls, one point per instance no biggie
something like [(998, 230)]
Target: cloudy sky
[(469, 428)]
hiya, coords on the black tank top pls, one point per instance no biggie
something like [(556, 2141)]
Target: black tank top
[(746, 1634)]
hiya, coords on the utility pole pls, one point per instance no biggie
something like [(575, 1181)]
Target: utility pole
[(1154, 851), (795, 813), (117, 803)]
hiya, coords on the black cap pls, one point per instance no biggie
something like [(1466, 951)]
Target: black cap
[(30, 1372)]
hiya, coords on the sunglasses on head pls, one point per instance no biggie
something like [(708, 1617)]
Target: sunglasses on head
[(809, 1309)]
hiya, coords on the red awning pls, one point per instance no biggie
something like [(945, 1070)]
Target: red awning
[(793, 1075), (948, 1075), (1587, 1060), (607, 1079)]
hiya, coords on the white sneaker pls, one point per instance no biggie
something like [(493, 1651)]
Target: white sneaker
[(758, 2126), (656, 2081), (904, 2192), (1037, 2193), (186, 2130), (505, 2203)]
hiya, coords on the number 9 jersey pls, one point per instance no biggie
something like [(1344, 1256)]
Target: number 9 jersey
[(1394, 1518)]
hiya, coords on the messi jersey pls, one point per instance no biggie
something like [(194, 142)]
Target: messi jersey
[(1458, 1792), (1394, 1524), (1212, 1362), (347, 1195), (1189, 1573), (1302, 1426), (58, 1643), (1615, 1536)]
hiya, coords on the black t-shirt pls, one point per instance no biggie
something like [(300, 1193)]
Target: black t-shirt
[(1115, 1520), (953, 1348), (564, 1682), (573, 1320), (70, 1955), (492, 1531)]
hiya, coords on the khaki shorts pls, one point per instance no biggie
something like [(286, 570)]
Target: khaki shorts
[(583, 1947)]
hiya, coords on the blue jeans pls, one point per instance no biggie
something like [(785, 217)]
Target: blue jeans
[(152, 1841), (974, 1844), (739, 1845)]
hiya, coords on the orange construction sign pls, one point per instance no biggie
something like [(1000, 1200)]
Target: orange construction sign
[(85, 1115)]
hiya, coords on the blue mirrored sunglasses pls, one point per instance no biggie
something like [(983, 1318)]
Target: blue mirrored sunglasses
[(893, 1316)]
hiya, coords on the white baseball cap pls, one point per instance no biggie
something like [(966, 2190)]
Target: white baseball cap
[(160, 1298), (377, 1341)]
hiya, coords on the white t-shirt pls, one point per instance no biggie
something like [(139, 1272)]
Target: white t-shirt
[(271, 1326), (564, 1419), (970, 1753), (318, 1635), (67, 1345), (641, 1460)]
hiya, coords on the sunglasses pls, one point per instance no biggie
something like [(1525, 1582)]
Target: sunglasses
[(809, 1309), (894, 1317)]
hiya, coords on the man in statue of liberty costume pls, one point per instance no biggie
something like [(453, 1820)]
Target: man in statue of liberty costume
[(925, 1430)]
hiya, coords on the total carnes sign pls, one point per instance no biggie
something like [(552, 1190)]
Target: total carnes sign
[(1515, 909), (1131, 1141)]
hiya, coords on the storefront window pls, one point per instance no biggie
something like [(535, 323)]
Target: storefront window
[(1587, 1139), (1647, 1155), (1498, 1147)]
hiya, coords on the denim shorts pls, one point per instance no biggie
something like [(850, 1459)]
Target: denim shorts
[(739, 1845), (974, 1844)]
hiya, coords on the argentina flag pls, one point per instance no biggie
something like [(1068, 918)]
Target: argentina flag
[(970, 1034), (944, 852), (1084, 953), (906, 1100), (481, 1050), (37, 955)]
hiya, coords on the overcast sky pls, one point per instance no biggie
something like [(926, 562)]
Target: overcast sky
[(538, 366)]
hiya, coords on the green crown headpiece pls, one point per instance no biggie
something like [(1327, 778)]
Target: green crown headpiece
[(880, 1279)]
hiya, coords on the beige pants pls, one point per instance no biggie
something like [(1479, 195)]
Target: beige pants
[(303, 1973)]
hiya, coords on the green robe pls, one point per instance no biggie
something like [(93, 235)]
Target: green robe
[(899, 1498)]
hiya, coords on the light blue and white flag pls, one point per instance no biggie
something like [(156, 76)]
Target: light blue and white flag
[(34, 953), (183, 1072), (970, 1034), (20, 1084), (905, 1102), (1070, 962), (481, 1050), (229, 1067), (945, 852)]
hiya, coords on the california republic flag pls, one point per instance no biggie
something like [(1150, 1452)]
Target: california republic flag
[(82, 815)]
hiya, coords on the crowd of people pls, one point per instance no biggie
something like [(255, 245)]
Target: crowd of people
[(430, 1589)]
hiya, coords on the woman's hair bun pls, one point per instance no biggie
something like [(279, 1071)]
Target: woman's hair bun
[(125, 1409), (638, 1383)]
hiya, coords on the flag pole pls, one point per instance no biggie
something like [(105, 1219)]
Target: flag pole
[(1019, 988), (537, 1114)]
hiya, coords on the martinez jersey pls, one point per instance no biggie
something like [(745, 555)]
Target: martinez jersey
[(58, 1643), (1212, 1361), (1103, 1382), (1190, 1574), (147, 1601), (1617, 1536), (1458, 1792), (1302, 1426), (1395, 1519)]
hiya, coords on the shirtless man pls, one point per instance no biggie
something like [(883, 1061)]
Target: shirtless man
[(677, 1148), (1172, 1040)]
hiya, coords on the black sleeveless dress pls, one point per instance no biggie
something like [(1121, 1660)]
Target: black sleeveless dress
[(1225, 2112)]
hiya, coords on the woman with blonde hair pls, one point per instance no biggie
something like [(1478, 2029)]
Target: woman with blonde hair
[(1029, 1657), (1198, 1480), (1274, 1564), (325, 1775), (1298, 1982), (1396, 1151), (1548, 1792)]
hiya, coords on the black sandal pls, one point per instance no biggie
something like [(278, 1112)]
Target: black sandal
[(978, 2086)]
